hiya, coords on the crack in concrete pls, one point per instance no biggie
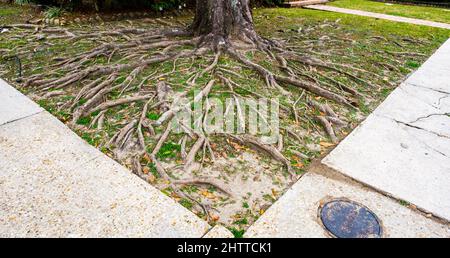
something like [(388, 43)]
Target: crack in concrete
[(21, 118), (414, 136), (421, 100), (441, 98), (424, 143), (428, 116), (423, 87)]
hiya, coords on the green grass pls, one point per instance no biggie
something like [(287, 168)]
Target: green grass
[(53, 12), (267, 18), (243, 221), (238, 233), (84, 121), (168, 150), (411, 11), (7, 10), (403, 202), (153, 116), (11, 13), (186, 203)]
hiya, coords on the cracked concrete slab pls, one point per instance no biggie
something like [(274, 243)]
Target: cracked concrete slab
[(53, 184), (295, 214), (420, 108), (434, 73), (14, 105), (392, 158), (439, 124), (436, 99), (407, 103), (403, 148)]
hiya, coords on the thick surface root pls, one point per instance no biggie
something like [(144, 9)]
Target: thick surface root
[(132, 51)]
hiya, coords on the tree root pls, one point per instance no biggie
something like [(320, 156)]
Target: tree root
[(204, 181), (132, 51), (269, 149), (328, 128)]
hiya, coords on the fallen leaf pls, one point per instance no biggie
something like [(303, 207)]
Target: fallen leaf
[(176, 196), (321, 203), (207, 194), (215, 217), (274, 192), (236, 146), (326, 144), (151, 178), (299, 165), (147, 158)]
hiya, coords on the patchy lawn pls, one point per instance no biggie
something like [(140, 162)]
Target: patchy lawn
[(420, 12), (365, 60), (14, 13)]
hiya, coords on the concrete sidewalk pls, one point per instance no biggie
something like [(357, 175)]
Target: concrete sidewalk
[(402, 149), (53, 184), (379, 16), (295, 214)]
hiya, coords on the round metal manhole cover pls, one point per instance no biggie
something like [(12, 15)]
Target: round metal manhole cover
[(348, 219)]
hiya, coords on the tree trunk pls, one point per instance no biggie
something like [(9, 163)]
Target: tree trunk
[(224, 20)]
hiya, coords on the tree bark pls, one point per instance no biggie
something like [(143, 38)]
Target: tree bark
[(222, 20)]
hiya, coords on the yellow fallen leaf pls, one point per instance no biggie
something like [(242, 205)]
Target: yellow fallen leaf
[(146, 170), (204, 193), (299, 165), (326, 144), (151, 178), (274, 192), (207, 194), (296, 158), (175, 196), (147, 158)]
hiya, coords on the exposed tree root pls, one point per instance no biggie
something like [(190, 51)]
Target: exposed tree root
[(139, 49)]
